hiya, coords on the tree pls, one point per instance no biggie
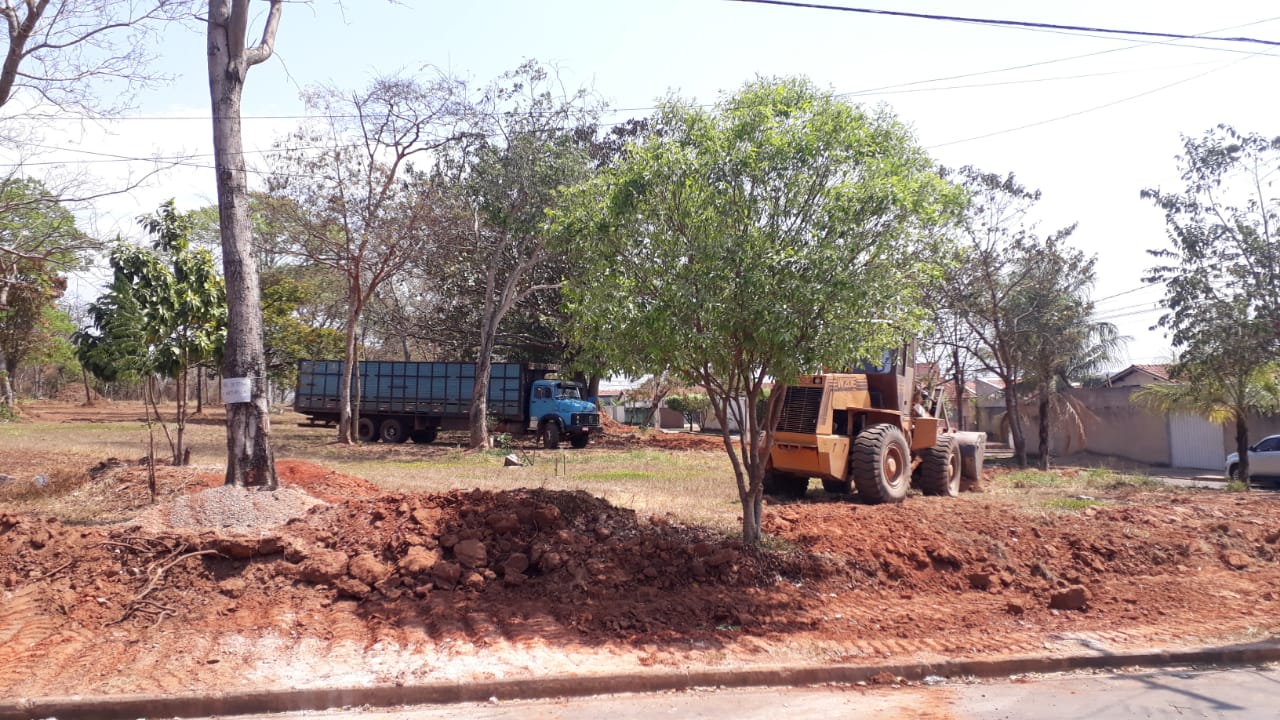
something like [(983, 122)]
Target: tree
[(358, 206), (1224, 380), (1222, 273), (286, 337), (249, 457), (781, 231), (1002, 282), (1063, 344), (38, 241), (532, 140), (77, 46), (693, 405), (170, 304)]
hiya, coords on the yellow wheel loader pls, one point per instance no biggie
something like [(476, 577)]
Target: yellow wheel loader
[(868, 430)]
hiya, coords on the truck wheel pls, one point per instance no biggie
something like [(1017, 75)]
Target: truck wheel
[(392, 431), (940, 468), (785, 485), (837, 487), (551, 435), (425, 436), (880, 466), (366, 430), (580, 441)]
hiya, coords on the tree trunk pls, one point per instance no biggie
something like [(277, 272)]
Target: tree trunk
[(249, 457), (1015, 424), (88, 392), (478, 415), (959, 381), (1242, 447), (181, 408), (1044, 425), (752, 511), (199, 390), (348, 413)]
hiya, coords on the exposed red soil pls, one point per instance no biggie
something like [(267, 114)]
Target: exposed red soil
[(332, 582)]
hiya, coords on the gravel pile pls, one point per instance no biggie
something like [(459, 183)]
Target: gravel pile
[(230, 509)]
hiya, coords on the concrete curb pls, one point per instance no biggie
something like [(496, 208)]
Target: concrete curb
[(130, 707)]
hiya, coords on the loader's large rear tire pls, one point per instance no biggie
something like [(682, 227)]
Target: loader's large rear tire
[(785, 485), (940, 468), (880, 466)]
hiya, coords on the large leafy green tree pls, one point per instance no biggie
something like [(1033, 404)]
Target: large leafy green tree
[(1221, 271), (777, 232)]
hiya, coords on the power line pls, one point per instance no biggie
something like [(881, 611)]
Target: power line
[(1010, 23), (1095, 108), (1130, 291)]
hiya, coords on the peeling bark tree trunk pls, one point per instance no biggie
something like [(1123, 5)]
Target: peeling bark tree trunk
[(479, 411), (249, 457), (348, 412)]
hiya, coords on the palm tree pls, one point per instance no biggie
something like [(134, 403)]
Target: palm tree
[(1219, 397)]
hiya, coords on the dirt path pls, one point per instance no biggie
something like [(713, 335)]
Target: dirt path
[(331, 582)]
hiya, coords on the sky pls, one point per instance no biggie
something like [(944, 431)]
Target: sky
[(1089, 119)]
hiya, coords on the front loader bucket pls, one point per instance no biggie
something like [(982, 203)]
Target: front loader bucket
[(973, 450)]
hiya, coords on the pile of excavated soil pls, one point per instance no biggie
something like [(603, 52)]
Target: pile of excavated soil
[(330, 582)]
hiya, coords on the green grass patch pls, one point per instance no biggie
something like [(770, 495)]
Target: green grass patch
[(1022, 479), (1123, 481), (617, 475), (1072, 504)]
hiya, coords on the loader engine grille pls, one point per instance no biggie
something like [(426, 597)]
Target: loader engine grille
[(585, 419), (800, 410)]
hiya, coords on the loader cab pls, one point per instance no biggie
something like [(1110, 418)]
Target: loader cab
[(891, 378)]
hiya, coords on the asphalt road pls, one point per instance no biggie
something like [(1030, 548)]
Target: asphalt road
[(1252, 693)]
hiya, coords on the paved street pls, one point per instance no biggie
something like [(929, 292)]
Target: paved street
[(1252, 693)]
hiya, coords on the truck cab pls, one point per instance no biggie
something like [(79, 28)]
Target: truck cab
[(560, 413)]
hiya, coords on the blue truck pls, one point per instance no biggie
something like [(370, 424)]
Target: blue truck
[(416, 400)]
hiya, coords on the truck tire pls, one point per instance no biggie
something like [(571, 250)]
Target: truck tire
[(425, 436), (785, 485), (392, 430), (580, 441), (366, 430), (837, 487), (551, 435), (940, 468), (880, 466)]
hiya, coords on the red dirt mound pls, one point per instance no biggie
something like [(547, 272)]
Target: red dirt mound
[(225, 588)]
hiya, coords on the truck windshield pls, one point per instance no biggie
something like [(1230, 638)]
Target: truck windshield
[(568, 392)]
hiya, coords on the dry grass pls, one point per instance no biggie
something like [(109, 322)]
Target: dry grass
[(691, 486)]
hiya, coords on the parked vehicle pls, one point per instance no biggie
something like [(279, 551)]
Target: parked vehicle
[(1264, 460), (871, 431), (403, 400)]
